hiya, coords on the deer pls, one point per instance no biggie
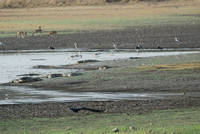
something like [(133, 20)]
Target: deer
[(39, 30), (52, 33), (21, 34)]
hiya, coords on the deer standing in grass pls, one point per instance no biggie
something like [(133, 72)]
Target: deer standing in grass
[(21, 34), (52, 33), (39, 30)]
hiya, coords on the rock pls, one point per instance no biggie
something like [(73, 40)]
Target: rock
[(104, 67), (69, 128), (26, 79), (115, 130), (150, 131), (134, 57), (132, 128), (73, 74), (28, 75), (86, 61), (55, 75), (43, 67)]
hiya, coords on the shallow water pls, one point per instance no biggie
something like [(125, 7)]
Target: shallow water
[(13, 63), (19, 95)]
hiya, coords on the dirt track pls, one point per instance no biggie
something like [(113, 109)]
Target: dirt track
[(148, 37)]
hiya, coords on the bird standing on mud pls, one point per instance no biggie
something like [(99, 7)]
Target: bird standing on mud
[(177, 41)]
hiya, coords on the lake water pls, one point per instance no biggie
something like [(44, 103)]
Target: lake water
[(13, 64)]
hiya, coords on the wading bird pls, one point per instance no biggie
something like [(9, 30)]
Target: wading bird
[(51, 47), (177, 41), (138, 47), (78, 51)]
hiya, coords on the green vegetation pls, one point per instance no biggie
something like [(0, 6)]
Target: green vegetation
[(182, 121)]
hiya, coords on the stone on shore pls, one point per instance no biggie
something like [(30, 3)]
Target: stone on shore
[(26, 80), (55, 75), (115, 130), (86, 61)]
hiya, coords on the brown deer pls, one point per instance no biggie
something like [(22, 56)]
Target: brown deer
[(39, 30), (21, 34), (52, 33)]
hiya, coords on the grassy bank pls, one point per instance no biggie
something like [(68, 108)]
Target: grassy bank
[(93, 18), (182, 121), (54, 3)]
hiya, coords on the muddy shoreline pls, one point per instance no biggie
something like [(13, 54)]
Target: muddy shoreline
[(150, 37), (21, 111)]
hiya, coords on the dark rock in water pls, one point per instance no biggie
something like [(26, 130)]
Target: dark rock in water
[(86, 61), (26, 79), (43, 67), (28, 75), (134, 57), (73, 74), (55, 75)]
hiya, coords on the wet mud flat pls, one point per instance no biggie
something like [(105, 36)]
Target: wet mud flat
[(128, 38), (18, 111)]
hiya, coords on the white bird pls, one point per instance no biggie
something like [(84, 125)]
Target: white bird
[(176, 40), (76, 45)]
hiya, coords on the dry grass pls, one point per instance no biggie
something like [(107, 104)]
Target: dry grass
[(54, 3), (91, 17), (165, 67)]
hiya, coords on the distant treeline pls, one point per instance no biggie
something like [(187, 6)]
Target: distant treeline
[(49, 3)]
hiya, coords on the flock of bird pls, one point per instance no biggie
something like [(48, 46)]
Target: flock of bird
[(114, 45), (115, 48)]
